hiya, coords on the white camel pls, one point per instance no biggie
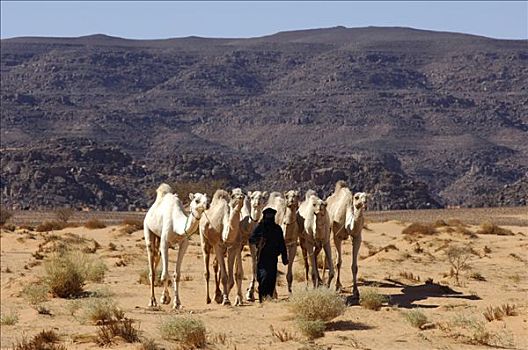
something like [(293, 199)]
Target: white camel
[(166, 224), (316, 234), (292, 226), (220, 230), (250, 216), (354, 224)]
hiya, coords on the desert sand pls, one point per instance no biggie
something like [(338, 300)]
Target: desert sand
[(397, 265)]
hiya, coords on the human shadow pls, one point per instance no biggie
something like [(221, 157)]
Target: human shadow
[(413, 293), (346, 325)]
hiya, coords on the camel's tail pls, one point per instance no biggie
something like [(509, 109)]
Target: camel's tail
[(162, 190)]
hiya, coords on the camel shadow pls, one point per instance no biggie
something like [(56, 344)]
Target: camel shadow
[(346, 325), (413, 293)]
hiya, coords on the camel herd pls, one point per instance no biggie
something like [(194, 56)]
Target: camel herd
[(226, 224)]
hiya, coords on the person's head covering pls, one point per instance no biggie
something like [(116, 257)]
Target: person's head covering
[(268, 214)]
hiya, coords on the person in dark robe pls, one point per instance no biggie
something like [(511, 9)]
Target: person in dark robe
[(269, 240)]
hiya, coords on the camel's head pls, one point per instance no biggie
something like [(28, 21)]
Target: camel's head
[(198, 203), (319, 206), (257, 199), (292, 198), (237, 199), (360, 200)]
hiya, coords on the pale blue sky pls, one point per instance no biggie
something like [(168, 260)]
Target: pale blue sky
[(149, 20)]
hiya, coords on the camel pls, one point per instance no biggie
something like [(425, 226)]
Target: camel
[(346, 219), (339, 204), (220, 230), (291, 223), (166, 224), (250, 216), (354, 224), (316, 234)]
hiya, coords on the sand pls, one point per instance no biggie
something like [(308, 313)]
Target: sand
[(387, 260)]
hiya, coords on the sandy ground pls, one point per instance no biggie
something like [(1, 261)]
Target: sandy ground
[(385, 257)]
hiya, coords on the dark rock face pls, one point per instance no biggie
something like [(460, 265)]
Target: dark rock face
[(418, 119)]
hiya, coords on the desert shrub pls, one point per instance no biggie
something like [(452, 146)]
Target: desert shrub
[(416, 318), (45, 340), (63, 214), (35, 293), (9, 227), (131, 225), (67, 272), (409, 276), (282, 334), (317, 304), (50, 226), (5, 214), (100, 310), (144, 277), (458, 257), (9, 318), (371, 299), (311, 329), (440, 223), (94, 223), (65, 275), (122, 328), (112, 246), (489, 228), (187, 330), (456, 222), (419, 229)]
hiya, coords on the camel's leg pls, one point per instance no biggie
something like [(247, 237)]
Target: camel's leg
[(205, 252), (356, 243), (328, 259), (313, 264), (250, 294), (177, 273), (164, 247), (149, 242), (302, 242), (219, 251), (231, 256), (292, 249), (216, 271), (317, 251), (339, 262), (239, 275)]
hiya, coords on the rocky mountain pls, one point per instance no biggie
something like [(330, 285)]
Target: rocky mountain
[(418, 118)]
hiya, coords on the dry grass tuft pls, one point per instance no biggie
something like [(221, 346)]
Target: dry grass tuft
[(371, 299), (148, 344), (416, 318), (419, 229), (189, 331), (9, 318), (101, 310), (498, 313), (489, 228), (283, 335), (45, 340), (474, 332), (131, 225), (35, 294), (122, 328), (409, 276), (477, 276), (93, 224), (50, 226)]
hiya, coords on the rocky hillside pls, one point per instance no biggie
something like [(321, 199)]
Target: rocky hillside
[(418, 118)]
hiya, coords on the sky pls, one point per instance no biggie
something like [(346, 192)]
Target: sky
[(157, 20)]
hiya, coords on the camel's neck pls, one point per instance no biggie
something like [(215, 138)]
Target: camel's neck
[(256, 214), (186, 224), (230, 233), (290, 215)]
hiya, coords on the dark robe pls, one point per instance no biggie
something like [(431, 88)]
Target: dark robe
[(269, 241)]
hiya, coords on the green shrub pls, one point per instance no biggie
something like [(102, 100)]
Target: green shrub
[(416, 318), (311, 329), (317, 304), (371, 299), (187, 330)]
